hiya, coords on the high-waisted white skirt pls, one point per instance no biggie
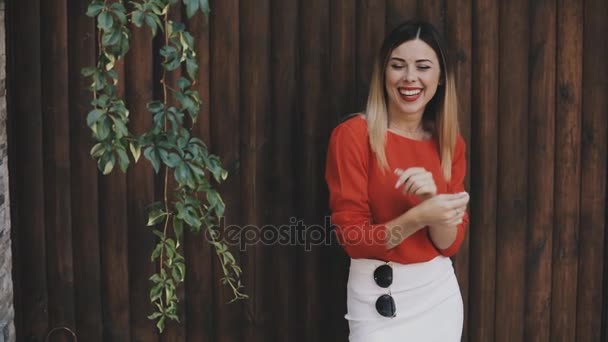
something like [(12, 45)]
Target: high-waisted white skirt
[(427, 298)]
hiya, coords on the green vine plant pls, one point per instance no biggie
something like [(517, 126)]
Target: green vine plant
[(168, 144)]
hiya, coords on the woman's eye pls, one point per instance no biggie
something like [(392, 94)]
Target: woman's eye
[(424, 67), (397, 66)]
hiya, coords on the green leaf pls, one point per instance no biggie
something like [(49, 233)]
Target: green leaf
[(119, 7), (123, 160), (191, 7), (151, 22), (178, 228), (94, 9), (138, 18), (204, 5), (154, 315), (103, 128), (170, 159), (135, 150), (120, 128), (111, 37), (155, 216), (161, 324), (183, 83), (94, 116), (97, 150), (191, 68), (156, 254), (108, 165), (120, 14), (105, 21), (182, 174), (88, 72), (155, 106), (152, 155)]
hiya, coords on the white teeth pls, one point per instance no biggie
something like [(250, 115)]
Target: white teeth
[(409, 92)]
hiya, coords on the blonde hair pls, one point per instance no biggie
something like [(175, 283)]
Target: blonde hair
[(441, 111)]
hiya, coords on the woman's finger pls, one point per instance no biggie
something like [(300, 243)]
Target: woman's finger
[(405, 175), (416, 181)]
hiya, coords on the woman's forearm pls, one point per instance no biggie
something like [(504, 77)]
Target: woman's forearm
[(401, 228), (444, 236)]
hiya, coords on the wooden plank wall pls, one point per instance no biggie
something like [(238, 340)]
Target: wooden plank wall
[(276, 76)]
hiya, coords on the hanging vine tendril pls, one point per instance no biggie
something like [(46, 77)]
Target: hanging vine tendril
[(168, 144)]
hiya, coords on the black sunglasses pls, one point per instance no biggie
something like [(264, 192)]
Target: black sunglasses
[(385, 304)]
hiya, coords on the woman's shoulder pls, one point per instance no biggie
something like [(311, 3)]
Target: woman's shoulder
[(354, 123)]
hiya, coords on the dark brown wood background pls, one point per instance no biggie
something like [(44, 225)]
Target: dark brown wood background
[(276, 77)]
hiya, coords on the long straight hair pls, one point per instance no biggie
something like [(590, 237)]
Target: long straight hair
[(441, 113)]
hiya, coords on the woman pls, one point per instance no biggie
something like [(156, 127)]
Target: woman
[(395, 176)]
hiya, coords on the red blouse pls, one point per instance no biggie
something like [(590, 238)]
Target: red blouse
[(362, 197)]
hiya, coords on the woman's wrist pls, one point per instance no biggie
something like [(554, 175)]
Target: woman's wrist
[(443, 236), (402, 227)]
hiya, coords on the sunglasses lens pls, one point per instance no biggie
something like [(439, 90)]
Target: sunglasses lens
[(383, 275), (385, 305)]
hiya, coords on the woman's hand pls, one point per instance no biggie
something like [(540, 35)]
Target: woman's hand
[(442, 210), (416, 181)]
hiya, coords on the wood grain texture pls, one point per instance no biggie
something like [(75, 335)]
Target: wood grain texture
[(199, 255), (85, 210), (567, 169), (57, 178), (255, 118), (594, 139), (541, 123), (398, 11), (314, 42), (27, 196), (483, 158), (284, 101), (371, 16), (225, 138), (433, 12), (512, 170)]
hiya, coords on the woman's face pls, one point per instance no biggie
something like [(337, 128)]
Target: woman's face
[(412, 76)]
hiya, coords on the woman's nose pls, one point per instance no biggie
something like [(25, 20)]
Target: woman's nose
[(409, 76)]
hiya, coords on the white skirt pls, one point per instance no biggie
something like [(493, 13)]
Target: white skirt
[(427, 298)]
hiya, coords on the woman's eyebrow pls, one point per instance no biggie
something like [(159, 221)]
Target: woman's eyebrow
[(417, 61)]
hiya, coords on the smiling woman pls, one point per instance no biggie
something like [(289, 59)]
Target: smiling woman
[(401, 227)]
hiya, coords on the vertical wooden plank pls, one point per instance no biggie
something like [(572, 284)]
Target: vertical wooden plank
[(113, 225), (85, 215), (594, 154), (314, 40), (139, 90), (512, 171), (433, 12), (541, 126), (255, 131), (198, 253), (56, 138), (458, 36), (371, 22), (284, 52), (343, 102), (25, 115), (225, 138), (484, 170), (398, 11), (567, 169)]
